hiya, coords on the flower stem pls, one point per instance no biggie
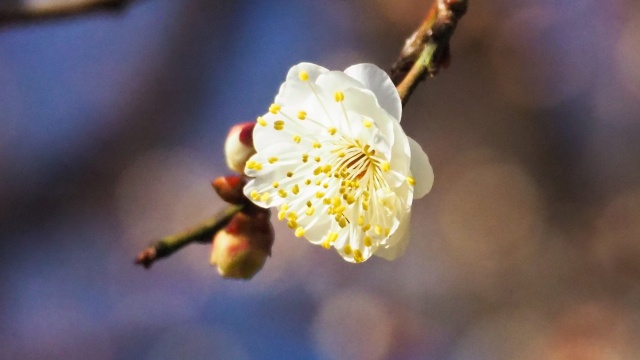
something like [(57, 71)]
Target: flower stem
[(201, 233), (427, 49)]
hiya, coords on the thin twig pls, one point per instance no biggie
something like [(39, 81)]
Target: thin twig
[(23, 12), (201, 233), (427, 49)]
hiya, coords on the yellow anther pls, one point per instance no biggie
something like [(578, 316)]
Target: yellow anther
[(360, 220), (257, 166), (295, 190), (302, 115), (317, 159), (326, 201), (274, 108), (341, 154), (365, 206), (299, 232), (317, 170), (351, 199), (282, 193), (326, 169), (326, 244), (265, 197), (319, 194), (310, 211), (335, 201), (332, 131), (292, 216), (378, 229), (307, 182), (367, 123), (303, 75), (255, 195), (387, 231), (325, 185), (296, 139), (357, 256), (411, 181), (347, 249), (276, 184), (282, 214), (278, 125), (317, 145), (338, 96), (285, 207), (366, 227), (292, 224), (342, 190), (340, 209), (250, 164), (386, 166), (332, 237), (289, 173), (261, 121), (342, 222), (367, 241), (309, 203), (305, 157), (273, 160)]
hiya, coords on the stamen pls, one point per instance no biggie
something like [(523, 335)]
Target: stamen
[(274, 108), (262, 121), (303, 75)]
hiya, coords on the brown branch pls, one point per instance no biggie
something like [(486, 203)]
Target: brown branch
[(202, 233), (427, 49), (24, 13)]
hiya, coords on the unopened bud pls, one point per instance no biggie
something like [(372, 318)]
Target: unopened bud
[(238, 147), (229, 188), (242, 247)]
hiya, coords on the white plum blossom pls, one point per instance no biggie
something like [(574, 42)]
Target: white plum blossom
[(333, 159)]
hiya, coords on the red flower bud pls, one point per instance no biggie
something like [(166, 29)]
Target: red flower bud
[(229, 188), (238, 147), (242, 247)]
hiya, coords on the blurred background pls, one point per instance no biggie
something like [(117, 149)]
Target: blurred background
[(528, 246)]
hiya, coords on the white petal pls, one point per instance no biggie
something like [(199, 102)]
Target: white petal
[(376, 80), (294, 90), (397, 241), (333, 81), (421, 170)]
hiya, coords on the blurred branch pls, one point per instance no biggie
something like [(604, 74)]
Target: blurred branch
[(427, 49), (24, 11), (202, 233)]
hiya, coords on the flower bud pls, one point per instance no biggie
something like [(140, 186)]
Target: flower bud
[(242, 247), (229, 188), (238, 147)]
